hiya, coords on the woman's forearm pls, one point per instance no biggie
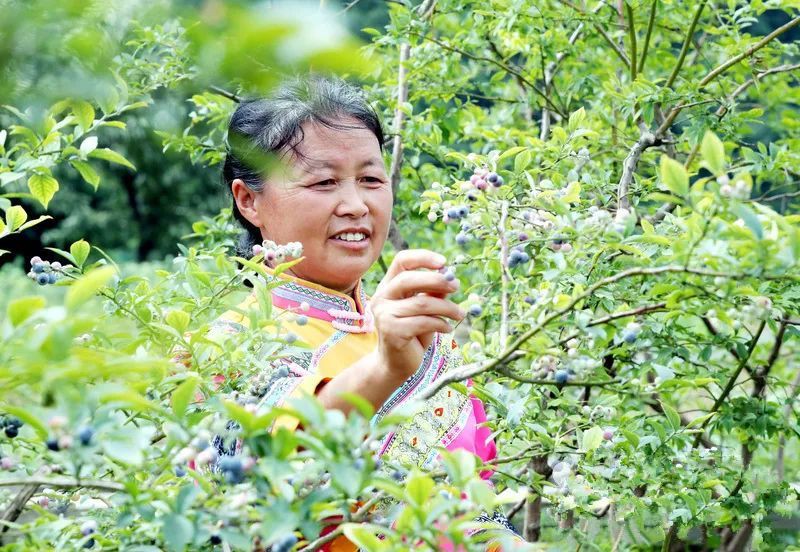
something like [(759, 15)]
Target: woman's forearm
[(367, 378)]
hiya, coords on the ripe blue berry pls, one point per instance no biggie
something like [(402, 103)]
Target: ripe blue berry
[(302, 320), (358, 464), (397, 475), (215, 540), (628, 336), (38, 268), (462, 239), (475, 310), (284, 544), (453, 213), (11, 432), (42, 279), (89, 543), (52, 278), (463, 211), (492, 177), (180, 471), (52, 444), (530, 300), (562, 376), (449, 275), (85, 435)]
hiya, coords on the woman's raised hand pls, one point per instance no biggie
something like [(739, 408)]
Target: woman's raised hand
[(408, 307)]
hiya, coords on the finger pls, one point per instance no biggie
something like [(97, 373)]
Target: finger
[(412, 259), (412, 282), (412, 326), (426, 305)]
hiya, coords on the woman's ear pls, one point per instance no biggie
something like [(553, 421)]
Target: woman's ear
[(245, 199)]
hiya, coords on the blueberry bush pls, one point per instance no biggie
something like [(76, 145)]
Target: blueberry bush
[(615, 185)]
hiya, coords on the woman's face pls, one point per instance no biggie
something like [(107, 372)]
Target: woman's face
[(337, 185)]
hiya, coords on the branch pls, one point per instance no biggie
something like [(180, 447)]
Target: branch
[(749, 52), (650, 22), (632, 36), (397, 147), (686, 43), (624, 314), (646, 140), (732, 381), (503, 275), (471, 370), (64, 483), (225, 93), (761, 374), (500, 64), (504, 371)]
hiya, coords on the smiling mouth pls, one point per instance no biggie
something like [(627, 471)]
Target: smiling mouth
[(351, 237)]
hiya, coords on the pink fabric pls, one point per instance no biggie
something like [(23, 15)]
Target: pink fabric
[(289, 305), (476, 437)]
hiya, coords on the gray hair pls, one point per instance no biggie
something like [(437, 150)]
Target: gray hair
[(273, 125)]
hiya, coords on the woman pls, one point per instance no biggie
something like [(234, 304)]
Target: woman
[(331, 193)]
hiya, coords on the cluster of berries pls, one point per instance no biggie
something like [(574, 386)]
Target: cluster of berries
[(760, 309), (599, 412), (518, 256), (233, 468), (738, 190), (482, 178), (45, 272), (10, 425), (62, 439), (275, 252), (559, 244), (455, 213)]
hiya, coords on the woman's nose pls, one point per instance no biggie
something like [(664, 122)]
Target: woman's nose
[(352, 202)]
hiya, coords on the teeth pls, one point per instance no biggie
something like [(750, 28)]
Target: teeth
[(351, 236)]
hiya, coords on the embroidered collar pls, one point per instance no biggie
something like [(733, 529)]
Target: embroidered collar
[(345, 313)]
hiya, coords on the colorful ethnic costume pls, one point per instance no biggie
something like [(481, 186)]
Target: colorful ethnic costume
[(339, 331)]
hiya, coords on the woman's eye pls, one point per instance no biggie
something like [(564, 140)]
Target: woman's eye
[(328, 182), (372, 179)]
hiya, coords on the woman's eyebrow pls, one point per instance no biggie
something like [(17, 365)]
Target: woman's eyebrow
[(328, 165)]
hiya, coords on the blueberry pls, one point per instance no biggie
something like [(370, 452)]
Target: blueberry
[(453, 213), (180, 471), (284, 544), (43, 279), (38, 268), (359, 463), (234, 478), (302, 320), (628, 336), (88, 527), (462, 239), (89, 543), (562, 376), (492, 177), (475, 310), (463, 211), (471, 196), (52, 278), (36, 260), (499, 182), (85, 435), (530, 300), (11, 432), (522, 236), (449, 275), (52, 444), (397, 475), (215, 540), (230, 463)]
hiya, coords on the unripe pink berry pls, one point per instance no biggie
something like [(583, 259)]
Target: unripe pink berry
[(566, 247), (481, 184), (257, 250), (304, 306), (57, 422), (6, 463), (608, 434), (432, 216)]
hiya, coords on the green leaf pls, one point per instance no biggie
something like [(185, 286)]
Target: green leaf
[(178, 532), (111, 156), (419, 488), (750, 219), (15, 217), (84, 113), (84, 288), (672, 415), (183, 395), (522, 160), (713, 153), (591, 439), (674, 176), (19, 310), (87, 172), (178, 319), (80, 252), (361, 535), (43, 187)]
